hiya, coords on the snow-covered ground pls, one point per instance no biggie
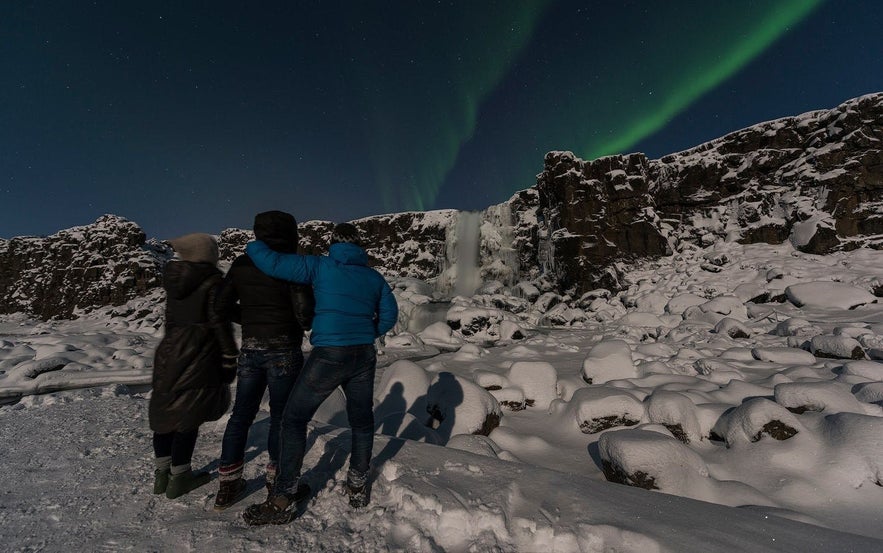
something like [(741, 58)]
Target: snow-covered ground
[(769, 414)]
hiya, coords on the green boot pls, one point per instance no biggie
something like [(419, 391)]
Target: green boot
[(186, 482), (160, 480)]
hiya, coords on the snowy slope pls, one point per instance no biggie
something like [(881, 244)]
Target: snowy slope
[(85, 484), (695, 391)]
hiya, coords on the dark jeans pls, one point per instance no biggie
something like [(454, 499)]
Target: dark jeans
[(276, 369), (350, 367), (177, 445)]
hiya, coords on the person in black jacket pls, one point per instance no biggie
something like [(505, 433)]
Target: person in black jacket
[(273, 314), (193, 365)]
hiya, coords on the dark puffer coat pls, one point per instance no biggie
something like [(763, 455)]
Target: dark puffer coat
[(189, 385), (273, 313)]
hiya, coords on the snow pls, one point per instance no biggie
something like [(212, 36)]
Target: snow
[(828, 294), (751, 441)]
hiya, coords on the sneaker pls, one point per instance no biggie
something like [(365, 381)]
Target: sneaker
[(229, 493), (186, 482), (277, 509), (160, 480)]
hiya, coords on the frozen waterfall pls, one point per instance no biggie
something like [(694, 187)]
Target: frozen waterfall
[(478, 248), (466, 247)]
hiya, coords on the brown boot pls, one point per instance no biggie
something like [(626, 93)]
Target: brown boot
[(229, 493)]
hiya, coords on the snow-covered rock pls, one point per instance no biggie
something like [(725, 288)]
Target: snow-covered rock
[(608, 360)]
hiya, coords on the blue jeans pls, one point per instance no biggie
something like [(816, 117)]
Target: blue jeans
[(276, 369), (350, 367)]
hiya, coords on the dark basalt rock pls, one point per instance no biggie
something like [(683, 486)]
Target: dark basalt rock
[(492, 421), (596, 212), (638, 479), (678, 432), (776, 429), (106, 263), (603, 423)]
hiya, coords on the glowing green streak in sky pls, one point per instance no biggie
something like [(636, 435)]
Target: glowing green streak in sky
[(416, 126), (782, 17)]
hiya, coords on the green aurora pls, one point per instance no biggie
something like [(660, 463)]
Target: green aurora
[(422, 101), (422, 94), (741, 37)]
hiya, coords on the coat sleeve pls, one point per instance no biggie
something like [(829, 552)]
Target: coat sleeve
[(388, 310), (227, 302), (223, 331), (286, 266)]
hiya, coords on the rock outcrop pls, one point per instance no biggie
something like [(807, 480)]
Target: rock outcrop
[(815, 179), (106, 263)]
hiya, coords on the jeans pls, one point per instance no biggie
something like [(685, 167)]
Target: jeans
[(276, 369), (350, 367)]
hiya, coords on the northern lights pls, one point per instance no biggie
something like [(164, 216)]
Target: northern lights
[(462, 76), (725, 55), (187, 117)]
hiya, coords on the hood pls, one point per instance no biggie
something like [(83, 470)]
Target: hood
[(348, 254), (182, 278), (197, 247), (277, 229)]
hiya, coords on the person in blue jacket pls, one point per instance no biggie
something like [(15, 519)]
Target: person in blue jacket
[(354, 306)]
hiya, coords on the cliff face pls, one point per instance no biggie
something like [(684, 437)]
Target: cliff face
[(106, 263), (815, 179)]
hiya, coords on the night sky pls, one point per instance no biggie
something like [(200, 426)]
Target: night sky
[(194, 116)]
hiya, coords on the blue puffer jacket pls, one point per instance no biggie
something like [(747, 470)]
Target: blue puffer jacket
[(354, 304)]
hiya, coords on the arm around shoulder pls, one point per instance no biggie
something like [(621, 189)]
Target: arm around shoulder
[(286, 266)]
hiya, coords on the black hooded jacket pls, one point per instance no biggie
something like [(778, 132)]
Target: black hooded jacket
[(273, 313), (189, 385)]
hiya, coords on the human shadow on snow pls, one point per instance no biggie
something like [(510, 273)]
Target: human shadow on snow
[(431, 418)]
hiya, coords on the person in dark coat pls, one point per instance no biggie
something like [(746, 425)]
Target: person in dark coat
[(354, 306), (273, 314), (193, 365)]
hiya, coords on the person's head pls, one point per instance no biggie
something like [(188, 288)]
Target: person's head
[(277, 229), (345, 233), (197, 247)]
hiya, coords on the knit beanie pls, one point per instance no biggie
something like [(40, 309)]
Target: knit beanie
[(345, 233), (197, 247)]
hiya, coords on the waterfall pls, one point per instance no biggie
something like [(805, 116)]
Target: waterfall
[(468, 278), (460, 273), (479, 248)]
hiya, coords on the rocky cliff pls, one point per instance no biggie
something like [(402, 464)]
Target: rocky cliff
[(814, 179), (106, 263)]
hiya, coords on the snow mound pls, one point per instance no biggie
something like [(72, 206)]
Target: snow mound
[(537, 379), (676, 412), (830, 397), (598, 408), (865, 369), (754, 419), (608, 360), (459, 406), (836, 347), (783, 355), (828, 295)]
